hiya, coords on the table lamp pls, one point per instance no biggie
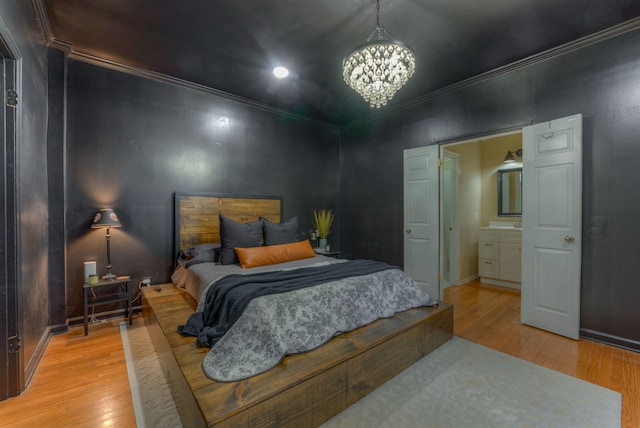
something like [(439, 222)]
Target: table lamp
[(106, 218)]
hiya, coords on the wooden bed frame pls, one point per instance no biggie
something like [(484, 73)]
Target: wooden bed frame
[(303, 390), (197, 221)]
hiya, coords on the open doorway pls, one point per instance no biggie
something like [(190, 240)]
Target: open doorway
[(540, 225), (450, 219), (469, 202)]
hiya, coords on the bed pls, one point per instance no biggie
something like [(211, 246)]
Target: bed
[(304, 389)]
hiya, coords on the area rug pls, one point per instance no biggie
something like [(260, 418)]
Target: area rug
[(153, 404), (460, 385)]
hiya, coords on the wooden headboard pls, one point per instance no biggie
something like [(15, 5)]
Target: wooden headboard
[(197, 221)]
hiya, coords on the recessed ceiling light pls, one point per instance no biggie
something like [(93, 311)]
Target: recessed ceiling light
[(280, 72)]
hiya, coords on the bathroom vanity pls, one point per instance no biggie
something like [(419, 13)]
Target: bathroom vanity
[(500, 256)]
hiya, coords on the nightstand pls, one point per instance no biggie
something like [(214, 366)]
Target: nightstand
[(119, 294), (333, 254)]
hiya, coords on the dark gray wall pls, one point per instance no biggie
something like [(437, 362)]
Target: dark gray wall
[(31, 183), (132, 142), (55, 174), (602, 82)]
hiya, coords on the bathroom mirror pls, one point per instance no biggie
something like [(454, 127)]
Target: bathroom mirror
[(510, 192)]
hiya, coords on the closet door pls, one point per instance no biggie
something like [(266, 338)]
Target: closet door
[(422, 217), (9, 343), (552, 225)]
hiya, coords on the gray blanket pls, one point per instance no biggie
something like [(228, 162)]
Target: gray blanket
[(277, 325), (227, 299)]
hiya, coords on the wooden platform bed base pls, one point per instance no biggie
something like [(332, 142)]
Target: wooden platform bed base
[(304, 390)]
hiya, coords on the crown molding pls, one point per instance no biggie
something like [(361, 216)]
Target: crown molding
[(148, 74), (60, 45), (540, 57), (617, 30), (43, 20), (52, 41)]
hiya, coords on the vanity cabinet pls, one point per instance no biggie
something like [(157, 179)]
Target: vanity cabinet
[(489, 254), (500, 257)]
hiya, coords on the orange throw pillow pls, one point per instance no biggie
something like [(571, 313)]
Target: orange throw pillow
[(273, 254)]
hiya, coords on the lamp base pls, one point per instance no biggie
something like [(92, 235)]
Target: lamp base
[(109, 277)]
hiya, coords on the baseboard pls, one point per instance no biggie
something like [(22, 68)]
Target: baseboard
[(610, 339), (509, 284), (59, 329), (106, 315), (467, 279), (31, 365)]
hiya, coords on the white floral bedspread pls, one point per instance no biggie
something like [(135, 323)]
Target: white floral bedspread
[(274, 326)]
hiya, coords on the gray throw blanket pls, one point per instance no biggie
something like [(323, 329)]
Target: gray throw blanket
[(226, 300)]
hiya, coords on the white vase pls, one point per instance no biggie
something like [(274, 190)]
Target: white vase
[(322, 243)]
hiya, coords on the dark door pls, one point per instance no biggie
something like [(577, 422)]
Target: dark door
[(9, 342)]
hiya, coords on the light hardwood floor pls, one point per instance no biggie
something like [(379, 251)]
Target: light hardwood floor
[(82, 381), (490, 316)]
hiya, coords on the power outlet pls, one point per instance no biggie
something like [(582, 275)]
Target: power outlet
[(146, 281)]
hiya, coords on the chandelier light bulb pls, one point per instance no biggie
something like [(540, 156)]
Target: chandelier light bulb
[(378, 68)]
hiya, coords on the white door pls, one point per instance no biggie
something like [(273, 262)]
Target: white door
[(450, 219), (421, 217), (552, 225)]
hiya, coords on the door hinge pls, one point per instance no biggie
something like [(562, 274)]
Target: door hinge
[(12, 98), (14, 344), (439, 162)]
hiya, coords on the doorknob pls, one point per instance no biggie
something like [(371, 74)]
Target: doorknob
[(569, 239), (408, 230)]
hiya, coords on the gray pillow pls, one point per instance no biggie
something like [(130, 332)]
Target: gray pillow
[(196, 254), (235, 234), (282, 233)]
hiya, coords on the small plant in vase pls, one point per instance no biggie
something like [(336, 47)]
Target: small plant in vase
[(322, 221)]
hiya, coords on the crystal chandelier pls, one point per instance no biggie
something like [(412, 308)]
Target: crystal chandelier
[(378, 68)]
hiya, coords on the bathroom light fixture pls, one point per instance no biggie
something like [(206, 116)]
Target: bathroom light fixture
[(106, 219), (509, 158), (378, 68)]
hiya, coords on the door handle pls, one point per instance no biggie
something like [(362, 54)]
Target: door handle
[(569, 239), (408, 230)]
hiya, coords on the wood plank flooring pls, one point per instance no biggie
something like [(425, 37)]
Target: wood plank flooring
[(82, 381)]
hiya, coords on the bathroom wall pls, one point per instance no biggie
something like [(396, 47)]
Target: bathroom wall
[(470, 205), (493, 152), (479, 163)]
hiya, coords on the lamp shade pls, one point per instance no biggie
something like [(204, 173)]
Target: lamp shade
[(105, 218), (509, 157)]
